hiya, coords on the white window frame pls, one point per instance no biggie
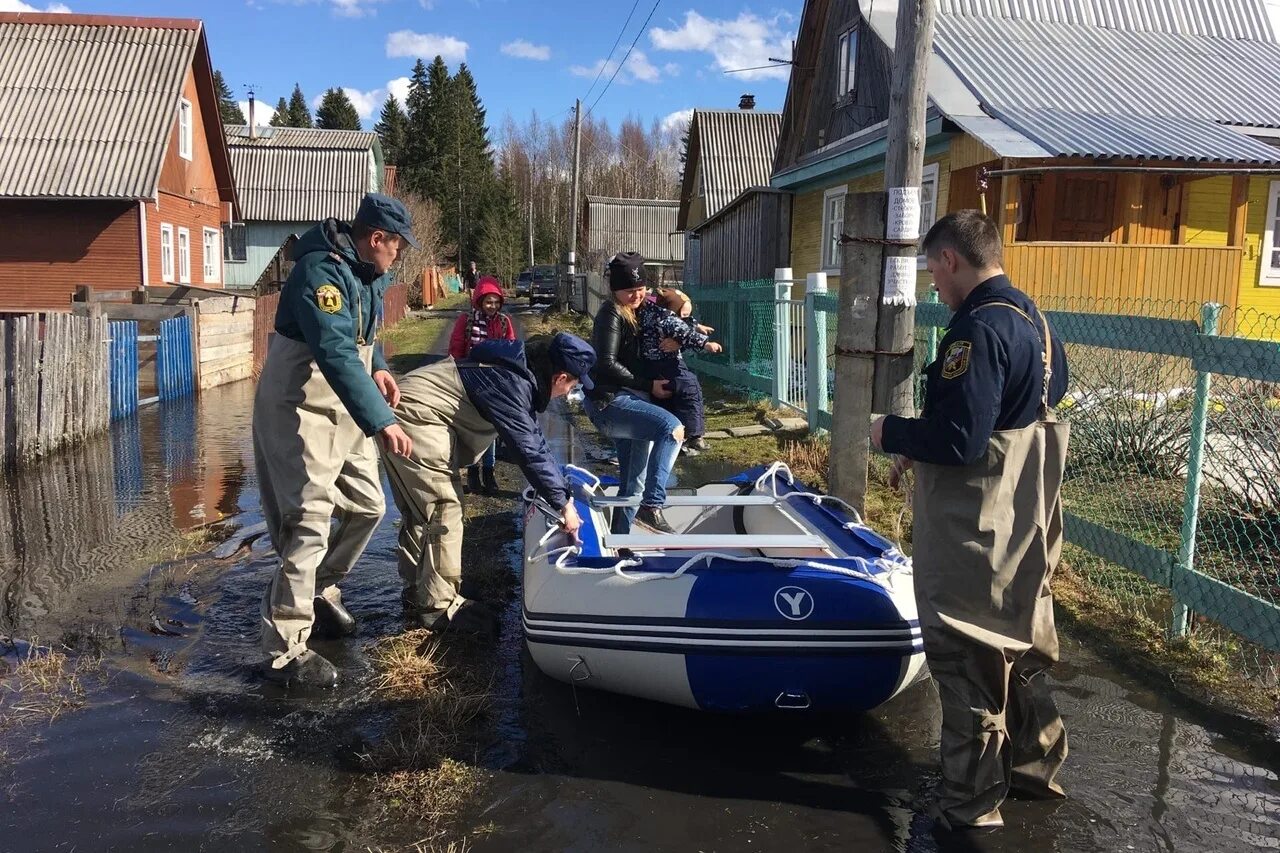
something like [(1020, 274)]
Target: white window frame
[(930, 215), (211, 245), (184, 256), (1268, 275), (830, 238), (184, 129), (166, 252), (847, 64)]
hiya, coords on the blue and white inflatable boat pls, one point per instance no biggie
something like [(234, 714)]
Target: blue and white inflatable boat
[(768, 596)]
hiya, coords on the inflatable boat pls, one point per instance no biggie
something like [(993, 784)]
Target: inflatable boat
[(768, 596)]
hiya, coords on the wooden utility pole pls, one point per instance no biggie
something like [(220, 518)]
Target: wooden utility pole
[(577, 149), (876, 329)]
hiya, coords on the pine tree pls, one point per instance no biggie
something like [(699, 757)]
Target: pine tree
[(227, 106), (473, 171), (336, 112), (501, 239), (299, 113), (280, 118), (417, 153), (392, 129)]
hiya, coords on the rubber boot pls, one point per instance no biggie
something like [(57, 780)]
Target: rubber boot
[(473, 480), (307, 670), (332, 620), (490, 482)]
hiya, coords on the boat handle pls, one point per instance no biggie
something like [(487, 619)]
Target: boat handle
[(792, 701)]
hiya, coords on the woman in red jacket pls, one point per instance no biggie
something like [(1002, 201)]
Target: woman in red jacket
[(484, 322)]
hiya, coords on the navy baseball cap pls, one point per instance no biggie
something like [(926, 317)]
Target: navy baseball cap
[(574, 356), (387, 214)]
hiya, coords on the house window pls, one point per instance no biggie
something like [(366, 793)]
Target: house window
[(166, 251), (184, 256), (832, 227), (212, 255), (928, 203), (1269, 274), (235, 245), (184, 129), (847, 59)]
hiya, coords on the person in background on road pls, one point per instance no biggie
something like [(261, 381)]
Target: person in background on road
[(323, 393), (669, 318), (485, 321), (452, 410), (988, 458), (469, 278), (647, 436)]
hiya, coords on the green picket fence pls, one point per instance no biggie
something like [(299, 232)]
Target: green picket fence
[(1173, 482)]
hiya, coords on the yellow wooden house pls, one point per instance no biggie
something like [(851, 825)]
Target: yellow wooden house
[(1128, 148)]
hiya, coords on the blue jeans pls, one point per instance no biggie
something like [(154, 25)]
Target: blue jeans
[(489, 459), (647, 449)]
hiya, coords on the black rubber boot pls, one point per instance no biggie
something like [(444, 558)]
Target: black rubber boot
[(652, 518), (473, 480), (473, 617), (332, 620), (490, 482), (698, 443), (307, 670)]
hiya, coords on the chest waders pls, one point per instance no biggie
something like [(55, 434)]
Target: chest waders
[(314, 464), (986, 541), (448, 433)]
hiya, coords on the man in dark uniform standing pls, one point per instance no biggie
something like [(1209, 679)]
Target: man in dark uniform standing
[(989, 460)]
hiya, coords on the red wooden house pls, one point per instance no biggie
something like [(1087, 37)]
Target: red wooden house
[(114, 169)]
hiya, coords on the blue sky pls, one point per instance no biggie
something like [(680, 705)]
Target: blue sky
[(525, 54)]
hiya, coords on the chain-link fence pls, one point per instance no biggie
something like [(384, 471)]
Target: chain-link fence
[(1172, 496)]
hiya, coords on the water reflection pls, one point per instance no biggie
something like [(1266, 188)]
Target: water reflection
[(119, 502)]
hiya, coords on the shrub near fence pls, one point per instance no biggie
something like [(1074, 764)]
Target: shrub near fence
[(1173, 484)]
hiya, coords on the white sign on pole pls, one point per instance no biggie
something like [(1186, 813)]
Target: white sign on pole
[(899, 280), (903, 221)]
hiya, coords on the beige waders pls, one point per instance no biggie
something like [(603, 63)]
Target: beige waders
[(313, 464), (986, 541), (448, 433)]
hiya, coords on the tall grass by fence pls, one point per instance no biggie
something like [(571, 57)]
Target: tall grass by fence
[(1172, 496), (55, 388)]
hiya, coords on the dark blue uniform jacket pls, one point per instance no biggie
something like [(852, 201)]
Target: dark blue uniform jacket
[(988, 376), (331, 301), (505, 392)]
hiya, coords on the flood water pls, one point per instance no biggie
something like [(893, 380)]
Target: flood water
[(178, 749)]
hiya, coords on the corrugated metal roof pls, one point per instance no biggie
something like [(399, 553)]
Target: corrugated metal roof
[(647, 226), (1124, 87), (735, 149), (279, 184), (1230, 19), (300, 137), (86, 109), (1077, 134)]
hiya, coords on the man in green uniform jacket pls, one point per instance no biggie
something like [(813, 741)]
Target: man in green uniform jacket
[(324, 393)]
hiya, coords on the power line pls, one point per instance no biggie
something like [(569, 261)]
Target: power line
[(643, 27), (616, 41)]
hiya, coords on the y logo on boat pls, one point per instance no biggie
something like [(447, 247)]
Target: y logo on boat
[(793, 602)]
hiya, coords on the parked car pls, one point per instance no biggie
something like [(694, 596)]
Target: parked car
[(546, 278), (524, 282)]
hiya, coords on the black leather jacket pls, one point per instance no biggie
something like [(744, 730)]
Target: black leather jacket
[(617, 346)]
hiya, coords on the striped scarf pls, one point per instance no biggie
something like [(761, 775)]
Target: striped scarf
[(479, 326)]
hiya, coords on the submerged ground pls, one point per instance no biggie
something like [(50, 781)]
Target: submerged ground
[(151, 735)]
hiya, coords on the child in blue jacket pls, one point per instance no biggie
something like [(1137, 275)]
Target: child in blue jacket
[(668, 316)]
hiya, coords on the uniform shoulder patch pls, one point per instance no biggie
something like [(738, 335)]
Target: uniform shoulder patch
[(956, 360), (329, 298)]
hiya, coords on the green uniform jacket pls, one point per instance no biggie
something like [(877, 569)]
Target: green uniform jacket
[(331, 302)]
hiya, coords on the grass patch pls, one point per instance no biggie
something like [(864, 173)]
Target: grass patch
[(411, 339), (551, 324), (41, 686), (453, 302)]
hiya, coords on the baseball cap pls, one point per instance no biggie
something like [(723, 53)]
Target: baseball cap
[(387, 214), (574, 356)]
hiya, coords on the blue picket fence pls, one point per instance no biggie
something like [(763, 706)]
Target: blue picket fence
[(124, 368), (175, 359)]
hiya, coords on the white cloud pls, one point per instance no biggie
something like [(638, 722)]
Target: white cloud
[(671, 69), (742, 42), (638, 67), (400, 88), (427, 4), (354, 8), (671, 121), (425, 46), (19, 6), (522, 49)]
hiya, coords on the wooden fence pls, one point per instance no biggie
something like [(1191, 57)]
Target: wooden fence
[(56, 388), (395, 307)]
